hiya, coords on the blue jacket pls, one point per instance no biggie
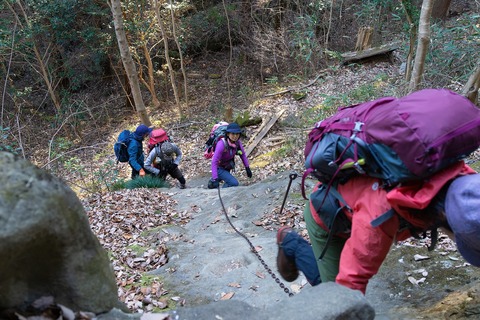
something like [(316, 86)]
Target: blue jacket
[(135, 152)]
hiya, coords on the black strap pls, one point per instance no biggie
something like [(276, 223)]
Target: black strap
[(330, 234), (382, 218), (332, 227)]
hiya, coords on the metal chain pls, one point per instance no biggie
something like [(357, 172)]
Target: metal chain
[(252, 247)]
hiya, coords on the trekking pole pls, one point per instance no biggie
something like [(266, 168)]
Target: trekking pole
[(292, 177)]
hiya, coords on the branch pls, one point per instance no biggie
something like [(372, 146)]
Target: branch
[(322, 73)]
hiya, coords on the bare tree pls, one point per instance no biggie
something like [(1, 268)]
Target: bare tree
[(128, 63), (150, 81), (167, 58), (42, 60), (179, 48), (422, 45), (406, 4), (229, 110)]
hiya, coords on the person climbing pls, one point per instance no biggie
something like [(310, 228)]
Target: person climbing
[(164, 160), (449, 200), (223, 160), (135, 150)]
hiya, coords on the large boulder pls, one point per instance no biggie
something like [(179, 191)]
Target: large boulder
[(327, 301), (46, 245)]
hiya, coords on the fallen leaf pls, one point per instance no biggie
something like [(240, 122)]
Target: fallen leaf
[(227, 296), (260, 275), (67, 313), (412, 280), (235, 285), (418, 257), (415, 281)]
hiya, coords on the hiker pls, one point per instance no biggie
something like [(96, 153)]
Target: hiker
[(135, 150), (449, 200), (164, 160), (223, 161)]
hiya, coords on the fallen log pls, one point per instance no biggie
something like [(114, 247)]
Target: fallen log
[(371, 52), (252, 143)]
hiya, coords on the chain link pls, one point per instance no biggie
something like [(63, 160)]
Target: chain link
[(252, 247)]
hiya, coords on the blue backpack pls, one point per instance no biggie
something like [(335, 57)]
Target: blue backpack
[(121, 146)]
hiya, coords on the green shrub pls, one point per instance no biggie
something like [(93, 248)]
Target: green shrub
[(5, 143), (453, 52), (146, 182)]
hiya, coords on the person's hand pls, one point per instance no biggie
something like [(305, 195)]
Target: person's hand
[(249, 172), (142, 173), (213, 183)]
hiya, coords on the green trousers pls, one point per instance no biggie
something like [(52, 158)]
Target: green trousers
[(328, 266)]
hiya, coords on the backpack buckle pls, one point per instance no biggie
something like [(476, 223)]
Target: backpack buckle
[(358, 167), (356, 129)]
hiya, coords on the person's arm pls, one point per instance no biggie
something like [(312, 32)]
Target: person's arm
[(149, 162), (367, 247), (133, 154), (217, 157), (179, 154)]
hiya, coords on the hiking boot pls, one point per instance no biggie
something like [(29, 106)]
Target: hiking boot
[(285, 265), (182, 186)]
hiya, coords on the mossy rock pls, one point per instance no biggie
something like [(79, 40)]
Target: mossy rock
[(244, 120)]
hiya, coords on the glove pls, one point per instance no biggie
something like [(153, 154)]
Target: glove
[(142, 173), (213, 184), (249, 172)]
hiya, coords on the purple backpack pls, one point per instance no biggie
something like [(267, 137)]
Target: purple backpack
[(394, 139)]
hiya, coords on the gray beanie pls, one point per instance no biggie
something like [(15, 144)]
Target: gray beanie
[(168, 150)]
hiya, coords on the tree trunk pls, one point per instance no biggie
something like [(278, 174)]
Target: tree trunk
[(167, 58), (440, 9), (150, 84), (470, 90), (128, 63), (364, 38), (422, 46), (179, 48), (412, 38), (229, 108)]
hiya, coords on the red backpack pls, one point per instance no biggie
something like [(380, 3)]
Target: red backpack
[(157, 136)]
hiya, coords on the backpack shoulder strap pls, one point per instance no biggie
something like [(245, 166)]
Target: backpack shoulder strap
[(334, 192), (226, 145), (382, 218)]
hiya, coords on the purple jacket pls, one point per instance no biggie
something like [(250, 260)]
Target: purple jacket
[(224, 157)]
